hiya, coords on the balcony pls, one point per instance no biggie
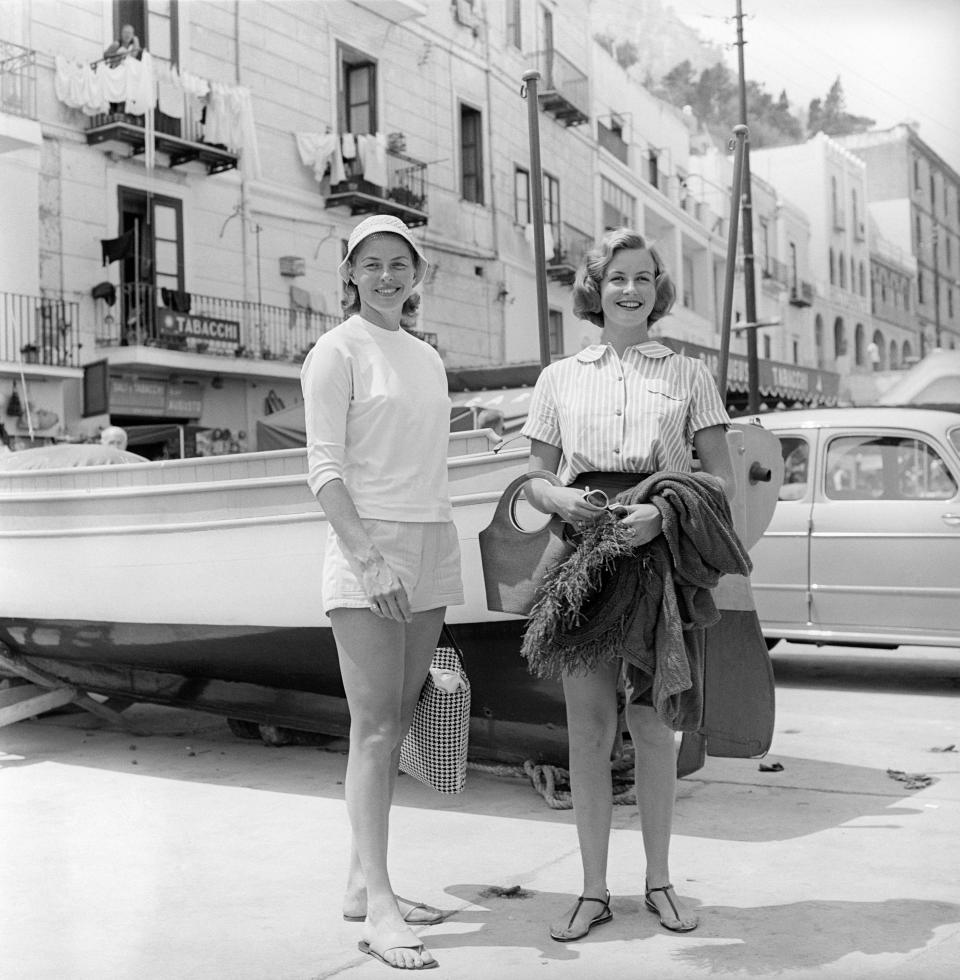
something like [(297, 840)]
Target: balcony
[(564, 90), (568, 253), (210, 325), (774, 270), (39, 330), (802, 293), (179, 137), (18, 80), (404, 195)]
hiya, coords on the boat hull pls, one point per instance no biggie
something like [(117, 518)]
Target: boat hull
[(197, 584)]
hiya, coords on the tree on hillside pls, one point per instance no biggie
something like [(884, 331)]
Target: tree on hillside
[(830, 115)]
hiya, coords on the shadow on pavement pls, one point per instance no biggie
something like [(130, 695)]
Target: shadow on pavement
[(763, 941)]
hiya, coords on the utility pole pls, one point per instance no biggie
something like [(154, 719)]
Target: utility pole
[(749, 284)]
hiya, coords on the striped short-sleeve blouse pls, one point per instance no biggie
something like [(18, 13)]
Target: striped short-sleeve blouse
[(635, 414)]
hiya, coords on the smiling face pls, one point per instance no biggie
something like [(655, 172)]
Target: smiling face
[(384, 271), (628, 289)]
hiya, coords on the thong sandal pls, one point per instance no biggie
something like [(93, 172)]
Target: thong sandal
[(401, 943), (598, 920), (435, 916), (666, 889)]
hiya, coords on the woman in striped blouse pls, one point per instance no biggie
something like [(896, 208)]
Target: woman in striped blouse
[(618, 410)]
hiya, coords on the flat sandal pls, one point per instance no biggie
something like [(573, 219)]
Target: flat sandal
[(598, 920), (666, 889)]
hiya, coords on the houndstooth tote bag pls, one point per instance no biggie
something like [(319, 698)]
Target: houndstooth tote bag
[(435, 749)]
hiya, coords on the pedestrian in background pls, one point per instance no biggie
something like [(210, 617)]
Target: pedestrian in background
[(617, 411), (114, 436), (377, 427)]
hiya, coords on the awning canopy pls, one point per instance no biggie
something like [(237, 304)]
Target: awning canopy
[(776, 379)]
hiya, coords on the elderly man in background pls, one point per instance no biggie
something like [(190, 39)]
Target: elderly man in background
[(114, 436)]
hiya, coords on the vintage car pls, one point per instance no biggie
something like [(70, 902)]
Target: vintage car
[(864, 545)]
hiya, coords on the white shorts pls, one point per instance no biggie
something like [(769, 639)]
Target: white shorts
[(425, 557)]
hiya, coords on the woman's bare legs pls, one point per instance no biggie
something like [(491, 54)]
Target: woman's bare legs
[(591, 728), (655, 754), (383, 664)]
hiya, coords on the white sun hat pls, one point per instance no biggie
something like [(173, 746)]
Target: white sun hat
[(378, 224)]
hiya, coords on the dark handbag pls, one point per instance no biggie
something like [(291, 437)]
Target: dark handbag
[(514, 560), (434, 750)]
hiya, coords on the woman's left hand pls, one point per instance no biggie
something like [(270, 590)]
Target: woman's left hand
[(644, 520)]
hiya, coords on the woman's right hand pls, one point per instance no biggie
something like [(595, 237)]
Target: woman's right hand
[(388, 598), (571, 506)]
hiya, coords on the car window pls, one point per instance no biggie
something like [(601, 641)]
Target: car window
[(954, 436), (886, 468), (796, 463)]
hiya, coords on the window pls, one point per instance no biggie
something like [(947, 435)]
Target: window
[(471, 155), (793, 265), (653, 168), (933, 193), (855, 211), (950, 302), (766, 348), (618, 205), (949, 251), (156, 26), (869, 467), (833, 268), (521, 196), (357, 97), (764, 248), (155, 261), (863, 280), (916, 174), (796, 353), (920, 288), (796, 465), (551, 207), (917, 230), (842, 270), (513, 24), (688, 295), (555, 330)]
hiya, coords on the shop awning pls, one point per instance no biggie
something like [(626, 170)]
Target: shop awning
[(776, 380)]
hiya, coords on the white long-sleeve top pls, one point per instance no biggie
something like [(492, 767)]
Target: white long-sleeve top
[(378, 417)]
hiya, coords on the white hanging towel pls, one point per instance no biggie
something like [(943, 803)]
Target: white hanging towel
[(141, 84), (68, 82), (316, 150), (93, 97), (170, 92), (372, 151), (349, 146)]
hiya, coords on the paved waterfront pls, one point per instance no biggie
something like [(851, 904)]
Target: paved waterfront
[(190, 853)]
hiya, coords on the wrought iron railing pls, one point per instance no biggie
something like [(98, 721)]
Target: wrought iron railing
[(146, 316), (406, 181), (571, 246), (39, 330), (18, 80)]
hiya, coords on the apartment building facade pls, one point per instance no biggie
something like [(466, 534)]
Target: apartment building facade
[(170, 258)]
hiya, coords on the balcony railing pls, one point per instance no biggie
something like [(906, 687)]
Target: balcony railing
[(404, 196), (18, 80), (802, 293), (39, 330), (567, 254), (774, 269), (210, 325), (180, 140), (564, 89)]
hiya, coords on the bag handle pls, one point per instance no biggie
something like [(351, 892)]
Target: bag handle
[(507, 504)]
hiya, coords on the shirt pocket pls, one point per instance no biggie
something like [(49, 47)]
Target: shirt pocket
[(664, 400)]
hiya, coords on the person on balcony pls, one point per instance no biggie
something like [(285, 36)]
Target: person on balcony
[(126, 46), (377, 425), (605, 418)]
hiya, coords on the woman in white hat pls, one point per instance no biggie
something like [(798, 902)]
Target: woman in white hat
[(377, 423)]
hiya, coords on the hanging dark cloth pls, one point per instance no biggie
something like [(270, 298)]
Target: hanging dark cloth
[(117, 248), (105, 291), (177, 300)]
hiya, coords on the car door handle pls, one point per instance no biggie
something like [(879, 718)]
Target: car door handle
[(951, 518)]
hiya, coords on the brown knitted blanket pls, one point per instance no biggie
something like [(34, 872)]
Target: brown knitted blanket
[(648, 605)]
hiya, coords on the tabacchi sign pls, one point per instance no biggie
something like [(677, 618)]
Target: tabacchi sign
[(189, 325)]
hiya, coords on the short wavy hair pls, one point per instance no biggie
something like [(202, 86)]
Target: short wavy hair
[(586, 286), (410, 310)]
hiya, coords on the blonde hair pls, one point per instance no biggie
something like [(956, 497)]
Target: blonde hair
[(586, 286)]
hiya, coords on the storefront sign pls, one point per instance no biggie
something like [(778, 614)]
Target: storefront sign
[(189, 326), (157, 398)]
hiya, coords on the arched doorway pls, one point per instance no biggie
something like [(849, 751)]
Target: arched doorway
[(858, 350), (839, 338), (894, 362), (818, 339)]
